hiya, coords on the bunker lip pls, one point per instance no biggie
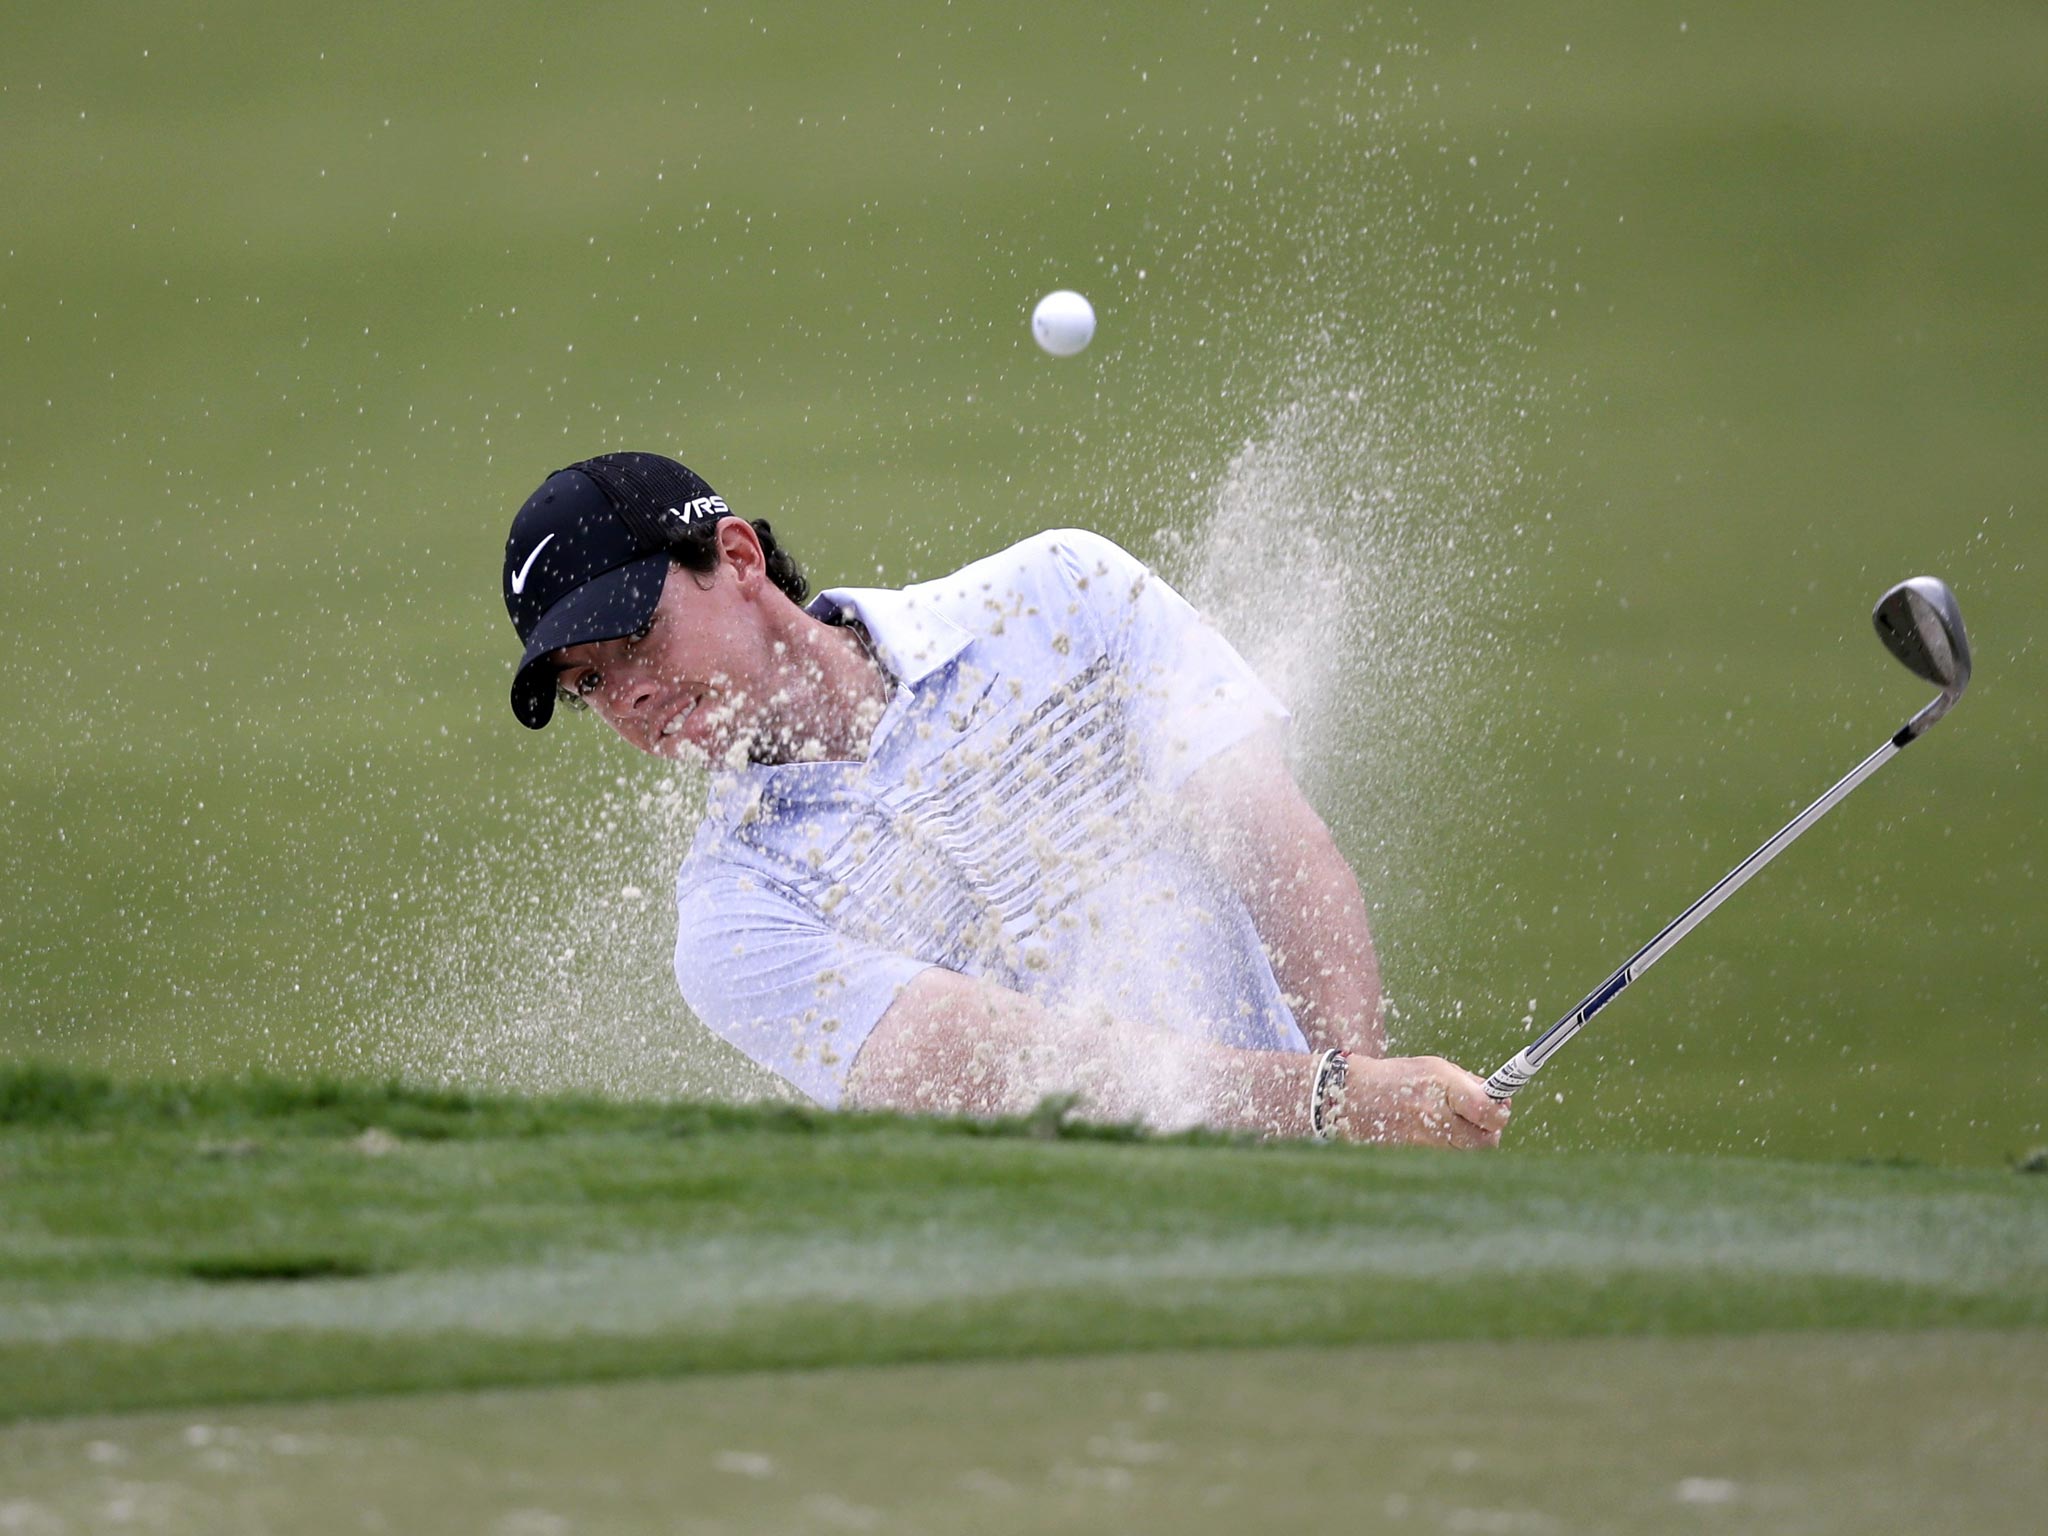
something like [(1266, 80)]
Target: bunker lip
[(717, 1238)]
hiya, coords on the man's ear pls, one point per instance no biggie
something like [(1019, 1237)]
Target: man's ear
[(739, 547)]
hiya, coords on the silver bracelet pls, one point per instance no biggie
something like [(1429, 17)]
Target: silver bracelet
[(1331, 1069)]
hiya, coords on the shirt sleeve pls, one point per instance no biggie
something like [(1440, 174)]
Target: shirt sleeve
[(762, 970), (1191, 696)]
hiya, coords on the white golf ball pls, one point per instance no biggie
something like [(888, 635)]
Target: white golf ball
[(1063, 323)]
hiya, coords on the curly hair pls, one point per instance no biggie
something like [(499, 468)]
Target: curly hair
[(696, 549)]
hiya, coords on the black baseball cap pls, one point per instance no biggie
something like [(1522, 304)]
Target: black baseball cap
[(587, 557)]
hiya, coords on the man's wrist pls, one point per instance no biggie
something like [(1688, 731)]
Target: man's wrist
[(1361, 1035)]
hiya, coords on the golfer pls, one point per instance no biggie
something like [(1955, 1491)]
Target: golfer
[(1023, 830)]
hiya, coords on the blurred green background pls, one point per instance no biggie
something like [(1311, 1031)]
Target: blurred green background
[(1594, 368)]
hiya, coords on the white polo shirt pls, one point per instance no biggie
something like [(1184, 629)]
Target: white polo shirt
[(1010, 822)]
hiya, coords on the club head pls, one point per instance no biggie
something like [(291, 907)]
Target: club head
[(1921, 624)]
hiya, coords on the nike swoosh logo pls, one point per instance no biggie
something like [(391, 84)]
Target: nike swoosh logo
[(519, 580)]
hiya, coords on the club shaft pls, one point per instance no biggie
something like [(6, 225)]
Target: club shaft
[(1513, 1073)]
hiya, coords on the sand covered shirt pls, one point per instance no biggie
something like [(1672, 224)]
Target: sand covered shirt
[(1011, 821)]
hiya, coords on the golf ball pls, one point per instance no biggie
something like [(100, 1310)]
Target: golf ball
[(1063, 323)]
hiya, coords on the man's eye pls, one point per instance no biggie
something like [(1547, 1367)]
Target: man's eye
[(587, 683)]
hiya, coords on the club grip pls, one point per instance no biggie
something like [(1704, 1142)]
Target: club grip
[(1511, 1076)]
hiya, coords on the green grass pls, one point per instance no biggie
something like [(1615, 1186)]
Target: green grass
[(178, 1244)]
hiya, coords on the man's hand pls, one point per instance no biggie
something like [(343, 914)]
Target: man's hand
[(1423, 1100)]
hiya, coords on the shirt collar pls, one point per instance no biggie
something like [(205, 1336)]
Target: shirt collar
[(912, 639)]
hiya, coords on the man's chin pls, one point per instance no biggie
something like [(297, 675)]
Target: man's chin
[(675, 749), (730, 757)]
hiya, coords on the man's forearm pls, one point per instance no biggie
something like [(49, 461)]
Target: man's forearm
[(951, 1044)]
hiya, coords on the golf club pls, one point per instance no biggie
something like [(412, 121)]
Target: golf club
[(1919, 622)]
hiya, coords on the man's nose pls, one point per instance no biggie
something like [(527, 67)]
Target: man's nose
[(636, 695)]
